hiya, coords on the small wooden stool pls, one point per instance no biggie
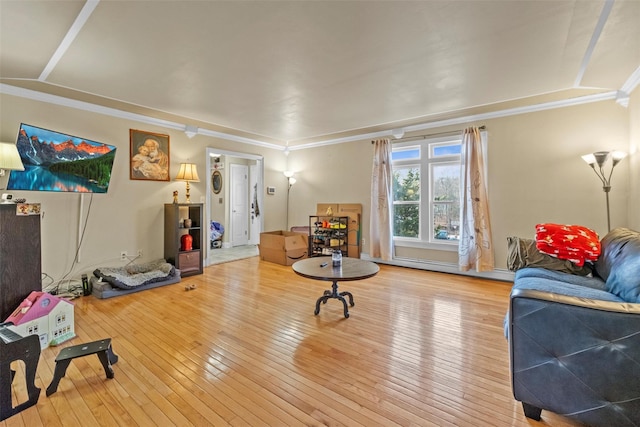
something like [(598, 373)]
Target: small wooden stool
[(102, 348)]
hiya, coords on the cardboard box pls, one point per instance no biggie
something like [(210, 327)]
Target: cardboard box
[(354, 212), (353, 251), (349, 208), (45, 315), (283, 247), (322, 208)]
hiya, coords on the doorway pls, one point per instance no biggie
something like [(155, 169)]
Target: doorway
[(242, 180)]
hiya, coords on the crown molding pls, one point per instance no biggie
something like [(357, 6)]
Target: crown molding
[(631, 83), (605, 96), (113, 112)]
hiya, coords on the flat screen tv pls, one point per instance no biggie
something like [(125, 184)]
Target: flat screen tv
[(56, 161)]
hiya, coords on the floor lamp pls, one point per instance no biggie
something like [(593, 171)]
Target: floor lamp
[(290, 180), (600, 159)]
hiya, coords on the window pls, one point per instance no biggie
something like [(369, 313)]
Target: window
[(426, 191)]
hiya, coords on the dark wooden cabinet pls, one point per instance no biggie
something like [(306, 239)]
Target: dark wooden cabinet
[(188, 261), (20, 260)]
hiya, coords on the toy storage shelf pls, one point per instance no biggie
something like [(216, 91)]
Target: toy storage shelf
[(328, 233)]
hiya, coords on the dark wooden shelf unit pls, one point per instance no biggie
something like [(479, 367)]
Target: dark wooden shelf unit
[(20, 258), (188, 262)]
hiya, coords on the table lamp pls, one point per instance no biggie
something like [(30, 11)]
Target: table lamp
[(9, 158), (188, 172)]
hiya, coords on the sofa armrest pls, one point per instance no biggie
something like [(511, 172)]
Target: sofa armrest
[(576, 356)]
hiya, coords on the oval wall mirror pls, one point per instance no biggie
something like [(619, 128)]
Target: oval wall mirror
[(216, 181)]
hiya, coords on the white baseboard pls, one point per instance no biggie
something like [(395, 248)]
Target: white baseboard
[(443, 267)]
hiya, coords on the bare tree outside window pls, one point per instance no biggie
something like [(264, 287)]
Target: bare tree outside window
[(446, 201)]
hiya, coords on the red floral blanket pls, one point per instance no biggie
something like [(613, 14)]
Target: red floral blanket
[(571, 242)]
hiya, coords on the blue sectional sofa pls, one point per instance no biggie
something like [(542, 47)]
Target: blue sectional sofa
[(574, 340)]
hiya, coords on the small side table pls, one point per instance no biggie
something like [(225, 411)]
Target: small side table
[(102, 348)]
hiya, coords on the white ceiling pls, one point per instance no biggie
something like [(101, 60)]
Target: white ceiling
[(301, 71)]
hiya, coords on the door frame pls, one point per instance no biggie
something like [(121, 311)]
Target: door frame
[(259, 179)]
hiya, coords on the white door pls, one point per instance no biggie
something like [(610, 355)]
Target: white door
[(239, 205)]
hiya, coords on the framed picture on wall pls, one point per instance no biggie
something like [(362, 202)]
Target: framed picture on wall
[(149, 156), (216, 181)]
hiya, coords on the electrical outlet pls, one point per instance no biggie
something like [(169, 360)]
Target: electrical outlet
[(139, 252), (123, 256)]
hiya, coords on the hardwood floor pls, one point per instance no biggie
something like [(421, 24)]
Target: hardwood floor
[(244, 349)]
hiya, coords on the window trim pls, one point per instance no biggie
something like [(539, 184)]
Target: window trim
[(426, 159), (421, 143)]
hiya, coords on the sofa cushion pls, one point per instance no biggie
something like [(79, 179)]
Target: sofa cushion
[(619, 264), (564, 288), (558, 276), (523, 253)]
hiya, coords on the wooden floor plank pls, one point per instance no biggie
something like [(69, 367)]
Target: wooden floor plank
[(245, 349)]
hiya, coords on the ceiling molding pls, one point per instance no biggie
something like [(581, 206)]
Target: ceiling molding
[(604, 15), (606, 96), (81, 19), (112, 112), (235, 138), (66, 102), (632, 82)]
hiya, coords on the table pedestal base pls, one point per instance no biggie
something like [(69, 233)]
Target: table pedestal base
[(333, 293)]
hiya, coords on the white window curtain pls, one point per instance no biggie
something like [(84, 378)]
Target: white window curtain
[(381, 226), (476, 247)]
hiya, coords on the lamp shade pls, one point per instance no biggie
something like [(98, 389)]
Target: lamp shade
[(9, 157), (188, 172), (590, 159), (617, 156), (600, 158)]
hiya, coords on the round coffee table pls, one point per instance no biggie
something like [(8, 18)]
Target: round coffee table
[(320, 268)]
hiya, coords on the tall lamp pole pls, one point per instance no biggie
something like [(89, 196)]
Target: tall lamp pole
[(600, 159), (290, 181)]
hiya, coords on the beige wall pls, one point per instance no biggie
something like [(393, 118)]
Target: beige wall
[(535, 175), (634, 161), (130, 216)]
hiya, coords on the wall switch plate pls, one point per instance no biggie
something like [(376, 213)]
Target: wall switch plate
[(271, 191)]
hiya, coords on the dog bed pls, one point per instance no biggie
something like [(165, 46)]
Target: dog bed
[(109, 282)]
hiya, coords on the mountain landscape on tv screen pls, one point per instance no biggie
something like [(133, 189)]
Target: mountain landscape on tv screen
[(58, 162)]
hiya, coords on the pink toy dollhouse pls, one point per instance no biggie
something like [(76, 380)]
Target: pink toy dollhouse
[(45, 315)]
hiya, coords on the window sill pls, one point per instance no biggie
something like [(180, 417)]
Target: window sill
[(448, 246)]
